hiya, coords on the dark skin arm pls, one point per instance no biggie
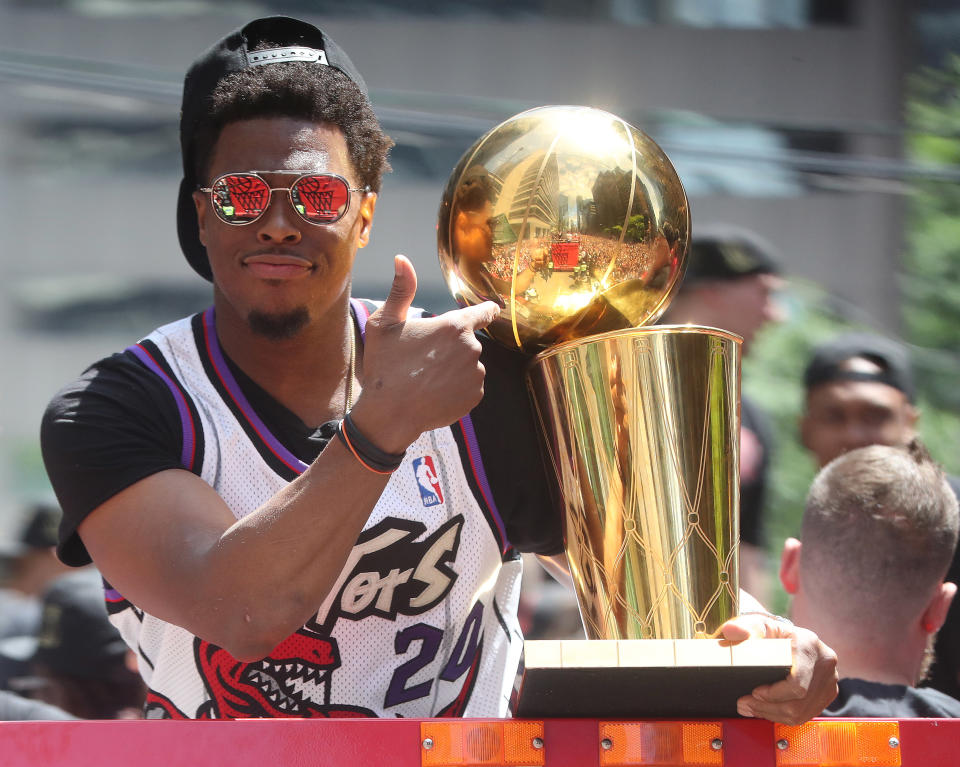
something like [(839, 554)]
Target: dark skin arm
[(171, 545)]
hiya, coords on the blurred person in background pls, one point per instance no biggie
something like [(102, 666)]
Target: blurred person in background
[(15, 708), (860, 391), (878, 534), (78, 661), (27, 566), (731, 283)]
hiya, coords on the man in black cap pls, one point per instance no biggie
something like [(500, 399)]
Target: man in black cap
[(860, 391), (731, 283), (27, 566), (78, 662), (309, 505)]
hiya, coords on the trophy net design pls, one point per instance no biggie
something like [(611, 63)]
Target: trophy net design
[(577, 225)]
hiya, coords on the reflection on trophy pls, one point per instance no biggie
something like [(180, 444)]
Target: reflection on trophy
[(576, 223), (572, 220)]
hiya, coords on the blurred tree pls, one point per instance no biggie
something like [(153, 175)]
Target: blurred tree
[(931, 264)]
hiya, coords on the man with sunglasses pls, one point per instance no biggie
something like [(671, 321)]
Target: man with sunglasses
[(306, 504)]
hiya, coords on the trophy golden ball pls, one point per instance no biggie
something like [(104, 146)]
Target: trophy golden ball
[(572, 220)]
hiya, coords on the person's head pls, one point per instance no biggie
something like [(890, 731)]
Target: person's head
[(878, 534), (79, 661), (30, 563), (473, 227), (859, 392), (731, 282), (277, 95)]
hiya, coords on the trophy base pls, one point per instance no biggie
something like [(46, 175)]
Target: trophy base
[(644, 678)]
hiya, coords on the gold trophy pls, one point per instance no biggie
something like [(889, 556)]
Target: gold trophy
[(577, 224)]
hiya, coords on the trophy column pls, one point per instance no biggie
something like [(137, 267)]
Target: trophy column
[(642, 429)]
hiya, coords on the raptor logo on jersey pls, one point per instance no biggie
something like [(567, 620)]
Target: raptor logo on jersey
[(427, 481)]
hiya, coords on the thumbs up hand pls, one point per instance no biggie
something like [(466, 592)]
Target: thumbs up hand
[(421, 373)]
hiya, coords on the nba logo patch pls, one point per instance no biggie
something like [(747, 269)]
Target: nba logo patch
[(427, 481)]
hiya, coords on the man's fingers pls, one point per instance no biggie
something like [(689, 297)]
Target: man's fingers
[(402, 292), (792, 713), (735, 631), (745, 627), (810, 687), (476, 317)]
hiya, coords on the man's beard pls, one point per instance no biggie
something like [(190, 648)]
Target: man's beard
[(278, 327)]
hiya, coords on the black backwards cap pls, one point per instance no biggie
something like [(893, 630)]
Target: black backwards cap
[(827, 362), (726, 258), (299, 41), (75, 637)]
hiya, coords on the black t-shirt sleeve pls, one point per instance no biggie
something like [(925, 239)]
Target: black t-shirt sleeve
[(514, 454), (112, 427)]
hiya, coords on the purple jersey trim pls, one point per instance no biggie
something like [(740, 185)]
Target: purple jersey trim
[(233, 388), (361, 312), (186, 421), (481, 474), (112, 595)]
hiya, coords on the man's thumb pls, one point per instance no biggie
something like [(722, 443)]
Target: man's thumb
[(402, 291)]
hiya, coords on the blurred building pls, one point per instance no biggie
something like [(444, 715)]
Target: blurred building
[(783, 116)]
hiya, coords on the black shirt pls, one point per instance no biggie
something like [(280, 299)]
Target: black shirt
[(859, 698)]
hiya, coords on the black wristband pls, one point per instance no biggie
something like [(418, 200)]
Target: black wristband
[(365, 451)]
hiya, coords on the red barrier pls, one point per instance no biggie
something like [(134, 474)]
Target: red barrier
[(394, 742)]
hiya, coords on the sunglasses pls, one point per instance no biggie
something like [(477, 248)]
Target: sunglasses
[(318, 198)]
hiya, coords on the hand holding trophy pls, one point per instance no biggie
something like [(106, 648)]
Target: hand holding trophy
[(577, 225)]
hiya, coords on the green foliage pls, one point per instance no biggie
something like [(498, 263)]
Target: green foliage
[(637, 227), (931, 265)]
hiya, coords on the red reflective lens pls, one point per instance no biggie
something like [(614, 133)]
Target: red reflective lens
[(241, 198), (320, 199)]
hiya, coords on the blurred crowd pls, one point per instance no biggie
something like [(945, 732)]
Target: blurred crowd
[(60, 657)]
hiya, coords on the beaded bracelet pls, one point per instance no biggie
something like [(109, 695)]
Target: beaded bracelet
[(369, 455)]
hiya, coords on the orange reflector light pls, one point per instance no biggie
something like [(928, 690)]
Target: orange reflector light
[(662, 744), (839, 744), (466, 742)]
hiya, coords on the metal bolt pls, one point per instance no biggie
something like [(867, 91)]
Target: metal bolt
[(538, 743), (716, 744), (894, 742), (606, 744), (428, 743), (783, 744)]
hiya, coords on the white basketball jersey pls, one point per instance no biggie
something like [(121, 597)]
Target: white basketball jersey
[(422, 620)]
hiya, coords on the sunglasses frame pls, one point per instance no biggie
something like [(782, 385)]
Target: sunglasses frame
[(288, 189)]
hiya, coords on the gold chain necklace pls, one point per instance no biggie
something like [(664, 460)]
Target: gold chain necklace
[(353, 365)]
